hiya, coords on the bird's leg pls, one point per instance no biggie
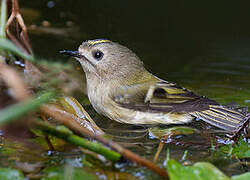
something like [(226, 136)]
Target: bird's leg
[(159, 149)]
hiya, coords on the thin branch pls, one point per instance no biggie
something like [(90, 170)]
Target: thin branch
[(23, 43)]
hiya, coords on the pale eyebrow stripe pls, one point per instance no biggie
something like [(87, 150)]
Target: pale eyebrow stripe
[(92, 43)]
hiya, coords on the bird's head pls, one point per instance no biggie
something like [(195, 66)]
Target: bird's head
[(107, 60)]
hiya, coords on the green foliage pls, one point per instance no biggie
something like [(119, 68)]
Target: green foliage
[(245, 176), (199, 171), (239, 150), (11, 174), (7, 45), (67, 173), (22, 108)]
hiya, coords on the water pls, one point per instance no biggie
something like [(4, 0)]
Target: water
[(203, 46)]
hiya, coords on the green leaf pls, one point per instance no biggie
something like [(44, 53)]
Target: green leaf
[(67, 173), (22, 108), (11, 174), (199, 171), (7, 45), (245, 176)]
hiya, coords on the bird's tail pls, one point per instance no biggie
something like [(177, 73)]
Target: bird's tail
[(223, 117)]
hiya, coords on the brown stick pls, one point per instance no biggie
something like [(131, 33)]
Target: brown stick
[(15, 14), (22, 43), (66, 119)]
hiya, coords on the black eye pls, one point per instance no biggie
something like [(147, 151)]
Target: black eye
[(98, 55)]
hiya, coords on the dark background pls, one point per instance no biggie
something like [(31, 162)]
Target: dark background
[(169, 26)]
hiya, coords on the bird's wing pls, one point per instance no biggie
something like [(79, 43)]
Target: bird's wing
[(168, 97)]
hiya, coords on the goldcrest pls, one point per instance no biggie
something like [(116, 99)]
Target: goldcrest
[(120, 88)]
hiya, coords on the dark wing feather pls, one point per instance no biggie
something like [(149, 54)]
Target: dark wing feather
[(222, 117), (168, 97)]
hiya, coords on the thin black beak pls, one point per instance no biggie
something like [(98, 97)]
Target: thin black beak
[(75, 54), (71, 53)]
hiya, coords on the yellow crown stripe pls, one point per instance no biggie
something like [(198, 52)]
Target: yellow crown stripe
[(98, 41)]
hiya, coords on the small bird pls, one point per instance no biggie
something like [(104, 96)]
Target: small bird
[(119, 87)]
